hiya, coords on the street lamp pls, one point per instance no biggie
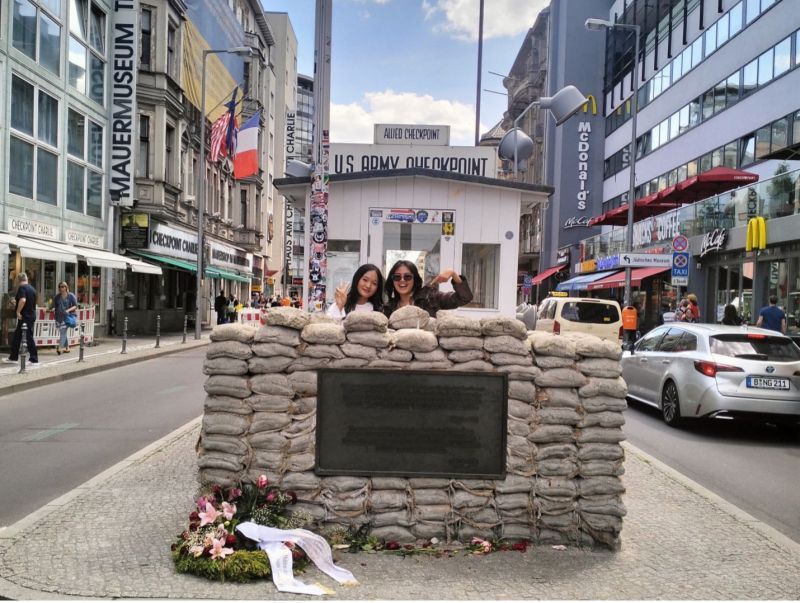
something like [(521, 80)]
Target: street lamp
[(244, 51), (563, 104), (598, 25)]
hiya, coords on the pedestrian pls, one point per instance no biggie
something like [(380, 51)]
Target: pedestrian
[(404, 288), (682, 312), (667, 314), (694, 307), (26, 315), (65, 304), (231, 309), (220, 307), (730, 316), (772, 317)]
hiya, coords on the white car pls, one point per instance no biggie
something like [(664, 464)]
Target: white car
[(692, 371), (599, 317)]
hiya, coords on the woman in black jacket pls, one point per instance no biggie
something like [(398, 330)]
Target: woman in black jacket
[(404, 288)]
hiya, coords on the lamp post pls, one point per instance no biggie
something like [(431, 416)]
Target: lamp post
[(597, 25), (201, 188), (563, 104)]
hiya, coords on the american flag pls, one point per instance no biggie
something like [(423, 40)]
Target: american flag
[(223, 132)]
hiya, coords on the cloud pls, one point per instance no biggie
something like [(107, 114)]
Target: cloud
[(502, 18), (355, 122)]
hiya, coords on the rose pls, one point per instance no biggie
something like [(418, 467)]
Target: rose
[(291, 494), (194, 516), (392, 545), (216, 488), (297, 554), (230, 540), (271, 497), (521, 546), (234, 493), (262, 482)]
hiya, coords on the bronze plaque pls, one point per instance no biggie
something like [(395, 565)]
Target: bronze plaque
[(411, 423)]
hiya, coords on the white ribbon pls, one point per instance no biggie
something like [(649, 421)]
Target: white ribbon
[(271, 541)]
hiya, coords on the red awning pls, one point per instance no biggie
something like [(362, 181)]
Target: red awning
[(618, 279), (713, 182), (542, 276), (271, 272)]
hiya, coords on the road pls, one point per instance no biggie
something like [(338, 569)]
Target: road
[(55, 437), (751, 466)]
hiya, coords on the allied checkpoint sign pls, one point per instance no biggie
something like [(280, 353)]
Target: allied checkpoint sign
[(470, 161), (411, 423)]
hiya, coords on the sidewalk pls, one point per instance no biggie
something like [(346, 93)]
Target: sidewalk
[(111, 538), (105, 355)]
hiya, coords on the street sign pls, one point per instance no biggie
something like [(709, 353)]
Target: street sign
[(527, 280), (680, 268), (680, 243), (645, 260)]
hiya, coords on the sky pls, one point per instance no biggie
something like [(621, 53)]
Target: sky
[(413, 61)]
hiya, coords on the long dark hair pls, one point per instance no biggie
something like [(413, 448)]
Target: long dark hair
[(352, 296), (731, 316), (391, 294)]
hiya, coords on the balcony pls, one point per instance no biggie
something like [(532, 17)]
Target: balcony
[(248, 238)]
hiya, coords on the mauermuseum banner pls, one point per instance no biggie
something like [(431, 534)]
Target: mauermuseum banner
[(470, 161), (125, 46)]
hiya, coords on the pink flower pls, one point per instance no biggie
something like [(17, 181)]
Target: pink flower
[(262, 481), (196, 550), (201, 502), (234, 493), (219, 550), (228, 510), (485, 546), (209, 515), (270, 497)]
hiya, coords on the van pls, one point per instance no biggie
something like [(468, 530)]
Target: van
[(599, 317)]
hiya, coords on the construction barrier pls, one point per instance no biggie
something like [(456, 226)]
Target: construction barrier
[(46, 333), (250, 316)]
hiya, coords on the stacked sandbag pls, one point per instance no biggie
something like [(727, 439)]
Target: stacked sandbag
[(600, 455), (564, 460)]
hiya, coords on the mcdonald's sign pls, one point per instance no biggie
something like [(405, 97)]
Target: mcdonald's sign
[(756, 234), (590, 101)]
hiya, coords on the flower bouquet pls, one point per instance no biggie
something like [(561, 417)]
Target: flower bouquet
[(212, 548)]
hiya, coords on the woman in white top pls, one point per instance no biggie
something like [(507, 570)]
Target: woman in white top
[(365, 294)]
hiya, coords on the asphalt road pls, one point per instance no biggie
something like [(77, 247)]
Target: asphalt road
[(750, 465), (55, 437)]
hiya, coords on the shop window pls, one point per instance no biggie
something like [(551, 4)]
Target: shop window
[(783, 57)]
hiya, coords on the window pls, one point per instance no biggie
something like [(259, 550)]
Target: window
[(75, 133), (710, 37), (171, 63), (87, 48), (84, 175), (687, 343), (77, 65), (649, 342), (753, 10), (146, 32), (97, 30), (783, 57), (750, 77), (722, 30), (729, 155), (27, 17), (762, 141), (243, 207), (169, 155), (755, 347), (732, 87), (708, 104), (747, 150), (75, 186), (668, 343), (765, 65), (480, 264), (796, 127), (33, 149), (735, 19), (780, 133), (143, 160)]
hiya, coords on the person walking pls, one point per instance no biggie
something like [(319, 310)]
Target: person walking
[(26, 314), (221, 307), (65, 304), (694, 307), (772, 317), (730, 316)]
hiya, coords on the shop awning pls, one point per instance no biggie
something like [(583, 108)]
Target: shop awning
[(618, 279), (33, 249), (182, 264), (270, 273), (581, 282), (214, 272), (543, 276), (101, 258)]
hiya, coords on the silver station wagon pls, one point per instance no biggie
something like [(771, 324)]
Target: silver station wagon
[(713, 371)]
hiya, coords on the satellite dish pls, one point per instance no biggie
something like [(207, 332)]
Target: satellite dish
[(515, 137)]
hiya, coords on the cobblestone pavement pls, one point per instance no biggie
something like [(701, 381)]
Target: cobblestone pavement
[(111, 537)]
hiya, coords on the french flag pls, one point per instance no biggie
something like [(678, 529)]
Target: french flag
[(245, 161)]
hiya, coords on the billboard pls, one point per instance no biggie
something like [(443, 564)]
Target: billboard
[(470, 161)]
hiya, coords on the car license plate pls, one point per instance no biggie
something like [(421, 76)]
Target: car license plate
[(767, 383)]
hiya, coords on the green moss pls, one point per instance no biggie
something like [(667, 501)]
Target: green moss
[(241, 566)]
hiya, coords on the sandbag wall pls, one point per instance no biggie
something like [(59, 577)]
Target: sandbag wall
[(564, 460)]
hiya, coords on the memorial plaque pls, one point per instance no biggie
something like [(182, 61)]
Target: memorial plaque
[(411, 423), (135, 230)]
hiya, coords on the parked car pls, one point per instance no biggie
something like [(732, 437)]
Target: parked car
[(600, 317), (692, 371)]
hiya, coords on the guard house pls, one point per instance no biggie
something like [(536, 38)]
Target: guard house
[(437, 219)]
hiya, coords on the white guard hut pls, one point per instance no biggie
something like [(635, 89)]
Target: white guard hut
[(437, 219)]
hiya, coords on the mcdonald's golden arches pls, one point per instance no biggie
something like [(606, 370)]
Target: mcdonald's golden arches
[(756, 234)]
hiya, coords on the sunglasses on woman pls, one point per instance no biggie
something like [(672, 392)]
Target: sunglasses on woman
[(403, 277)]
